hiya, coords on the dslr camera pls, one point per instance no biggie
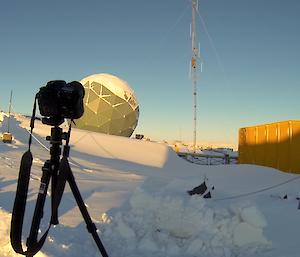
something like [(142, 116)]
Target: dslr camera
[(59, 100)]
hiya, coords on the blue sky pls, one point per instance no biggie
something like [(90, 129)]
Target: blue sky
[(249, 50)]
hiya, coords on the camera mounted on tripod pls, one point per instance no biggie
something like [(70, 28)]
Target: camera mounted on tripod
[(59, 100)]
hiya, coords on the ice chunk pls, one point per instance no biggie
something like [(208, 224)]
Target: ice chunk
[(195, 246), (245, 234), (172, 248), (232, 223), (249, 212), (147, 243), (253, 215), (163, 235), (125, 231)]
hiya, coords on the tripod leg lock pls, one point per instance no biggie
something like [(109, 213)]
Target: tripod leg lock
[(91, 228)]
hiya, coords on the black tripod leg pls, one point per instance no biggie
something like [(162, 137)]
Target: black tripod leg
[(39, 206), (91, 227)]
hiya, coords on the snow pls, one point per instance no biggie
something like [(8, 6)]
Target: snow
[(136, 194), (245, 234), (113, 83), (250, 213), (169, 225)]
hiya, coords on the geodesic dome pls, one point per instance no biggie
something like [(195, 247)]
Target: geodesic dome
[(110, 106)]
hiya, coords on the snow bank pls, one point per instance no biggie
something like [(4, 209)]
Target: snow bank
[(2, 115), (164, 226), (170, 226), (4, 227)]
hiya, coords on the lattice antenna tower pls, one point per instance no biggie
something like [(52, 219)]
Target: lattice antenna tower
[(193, 66)]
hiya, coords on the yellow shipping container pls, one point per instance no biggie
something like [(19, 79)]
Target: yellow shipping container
[(275, 145), (6, 137)]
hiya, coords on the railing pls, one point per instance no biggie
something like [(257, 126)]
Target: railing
[(208, 159)]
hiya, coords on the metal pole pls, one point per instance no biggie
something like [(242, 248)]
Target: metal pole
[(195, 74), (9, 111)]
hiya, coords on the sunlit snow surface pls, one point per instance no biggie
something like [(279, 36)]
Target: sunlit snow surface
[(135, 192)]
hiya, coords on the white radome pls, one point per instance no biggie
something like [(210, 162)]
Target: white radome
[(110, 106)]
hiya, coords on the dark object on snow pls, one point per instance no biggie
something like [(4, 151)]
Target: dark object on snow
[(208, 195), (198, 190), (139, 136)]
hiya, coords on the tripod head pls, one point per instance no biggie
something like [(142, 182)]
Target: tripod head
[(57, 135)]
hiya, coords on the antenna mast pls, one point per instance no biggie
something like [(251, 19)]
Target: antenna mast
[(9, 111), (194, 66)]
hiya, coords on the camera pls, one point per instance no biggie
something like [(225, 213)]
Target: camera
[(59, 100)]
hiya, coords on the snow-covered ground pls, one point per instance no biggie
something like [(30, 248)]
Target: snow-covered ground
[(136, 194)]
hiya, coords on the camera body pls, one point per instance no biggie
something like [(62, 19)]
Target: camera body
[(59, 100)]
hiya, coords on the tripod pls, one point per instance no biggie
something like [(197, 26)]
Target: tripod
[(60, 172)]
